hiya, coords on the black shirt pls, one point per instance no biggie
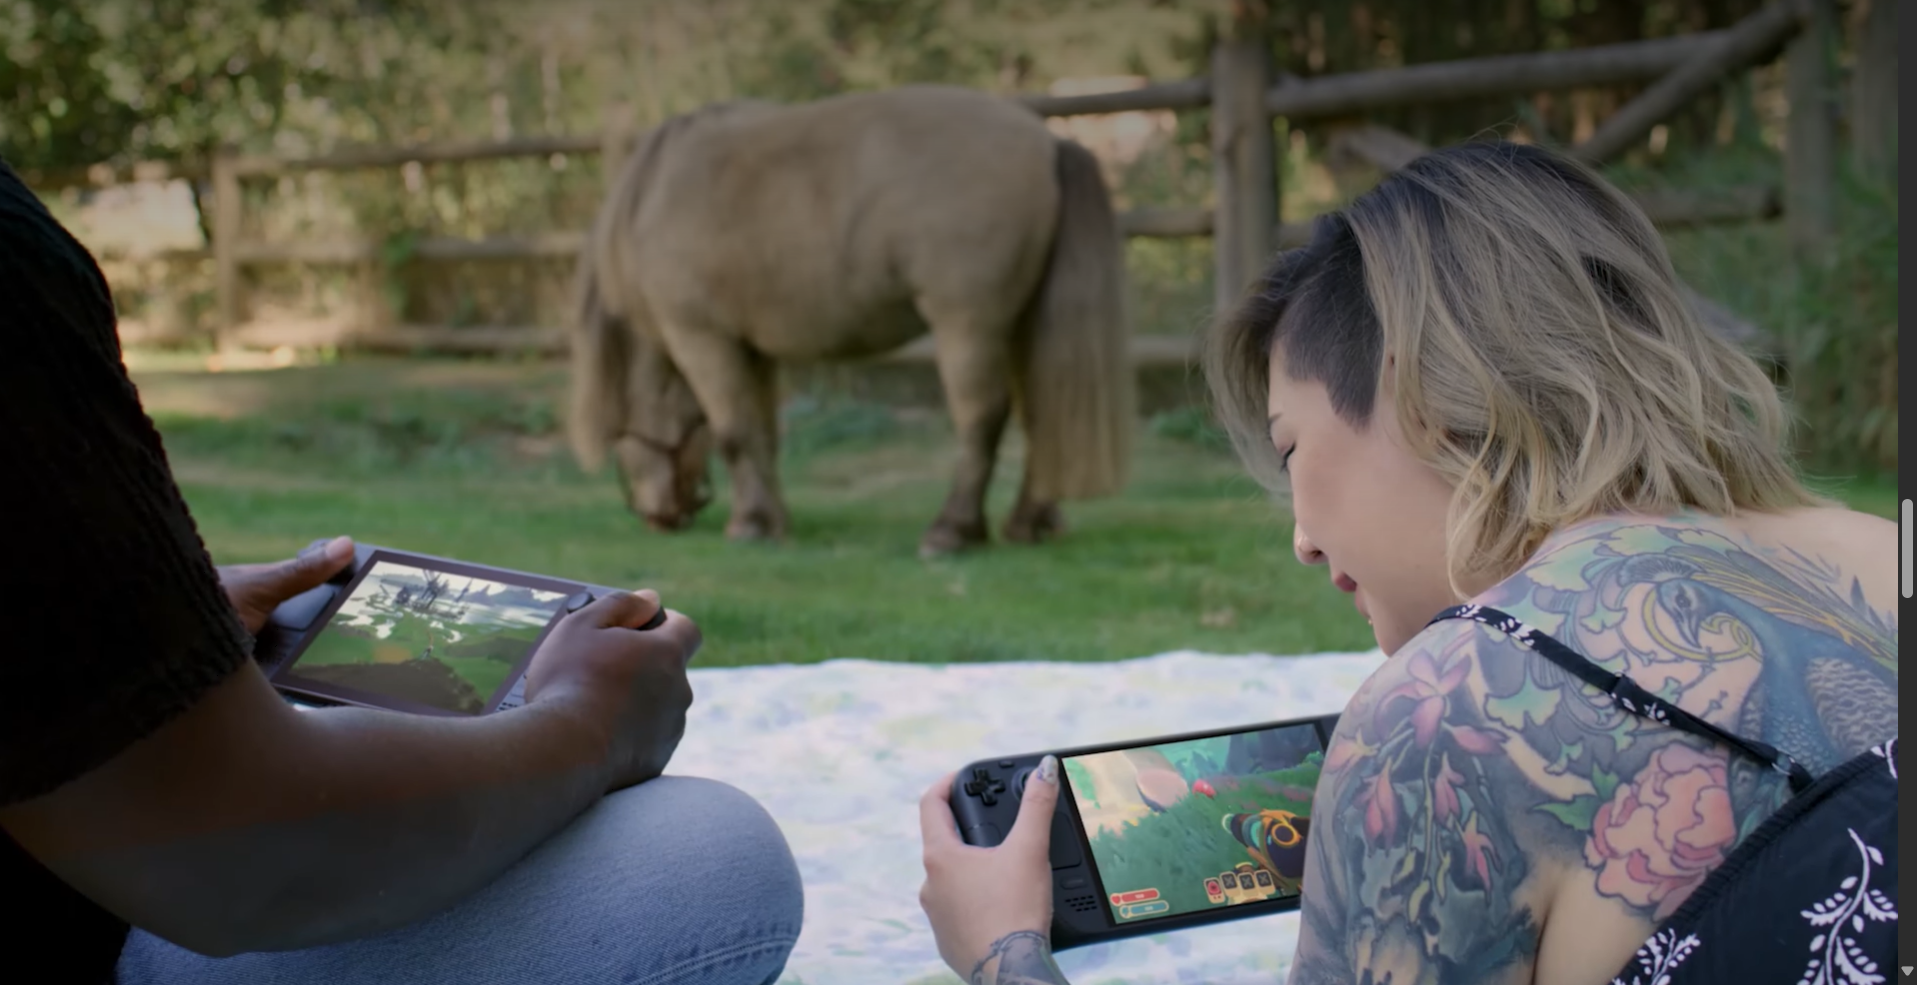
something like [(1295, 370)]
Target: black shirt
[(116, 618)]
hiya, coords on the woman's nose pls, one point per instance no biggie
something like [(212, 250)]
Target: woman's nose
[(1308, 553)]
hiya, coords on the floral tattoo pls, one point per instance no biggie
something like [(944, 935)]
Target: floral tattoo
[(1469, 764)]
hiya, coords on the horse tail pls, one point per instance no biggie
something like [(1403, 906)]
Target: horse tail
[(605, 310), (1078, 388)]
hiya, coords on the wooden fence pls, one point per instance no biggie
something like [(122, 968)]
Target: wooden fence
[(1244, 95)]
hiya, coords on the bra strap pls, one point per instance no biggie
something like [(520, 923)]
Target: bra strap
[(1626, 692)]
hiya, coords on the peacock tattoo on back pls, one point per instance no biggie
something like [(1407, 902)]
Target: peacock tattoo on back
[(1828, 676)]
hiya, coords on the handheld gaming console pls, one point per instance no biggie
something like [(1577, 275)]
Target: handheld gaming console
[(1165, 833), (416, 633)]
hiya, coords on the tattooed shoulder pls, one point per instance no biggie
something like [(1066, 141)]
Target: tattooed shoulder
[(1475, 773), (1774, 644), (1430, 881)]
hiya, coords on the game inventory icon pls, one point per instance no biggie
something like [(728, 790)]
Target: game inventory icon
[(1215, 890), (1255, 883)]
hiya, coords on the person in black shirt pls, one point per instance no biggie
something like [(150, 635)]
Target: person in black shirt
[(151, 779)]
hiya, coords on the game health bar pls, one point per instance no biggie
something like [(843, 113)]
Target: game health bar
[(1135, 896), (1135, 910)]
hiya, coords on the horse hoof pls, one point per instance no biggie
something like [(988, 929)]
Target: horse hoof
[(751, 530), (1040, 526), (944, 541)]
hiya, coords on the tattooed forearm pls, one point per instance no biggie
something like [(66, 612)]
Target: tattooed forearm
[(1021, 958)]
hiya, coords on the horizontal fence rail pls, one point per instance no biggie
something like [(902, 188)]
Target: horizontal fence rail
[(1240, 90), (1669, 209)]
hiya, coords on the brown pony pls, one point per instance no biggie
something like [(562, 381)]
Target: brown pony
[(747, 233)]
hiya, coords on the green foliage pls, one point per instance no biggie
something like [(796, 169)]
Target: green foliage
[(1835, 322), (122, 80), (1190, 424), (168, 79)]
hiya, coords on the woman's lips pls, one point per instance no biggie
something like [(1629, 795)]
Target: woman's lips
[(1345, 584)]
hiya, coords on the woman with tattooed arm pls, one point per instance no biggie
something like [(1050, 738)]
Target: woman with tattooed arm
[(1638, 719)]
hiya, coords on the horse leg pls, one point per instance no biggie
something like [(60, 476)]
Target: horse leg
[(1032, 521), (975, 371), (738, 388)]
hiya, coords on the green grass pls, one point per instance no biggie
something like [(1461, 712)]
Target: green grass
[(461, 459)]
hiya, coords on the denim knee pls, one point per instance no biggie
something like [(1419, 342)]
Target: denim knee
[(677, 881), (717, 861)]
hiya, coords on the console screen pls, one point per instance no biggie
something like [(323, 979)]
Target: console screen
[(1204, 823), (434, 638)]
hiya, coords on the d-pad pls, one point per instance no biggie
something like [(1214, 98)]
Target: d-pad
[(984, 786)]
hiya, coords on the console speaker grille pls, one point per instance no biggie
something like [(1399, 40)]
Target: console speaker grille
[(1082, 904)]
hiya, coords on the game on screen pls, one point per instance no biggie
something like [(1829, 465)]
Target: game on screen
[(1189, 826), (444, 640)]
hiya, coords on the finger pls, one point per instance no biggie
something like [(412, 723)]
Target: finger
[(321, 560), (937, 826), (626, 610), (1034, 824), (680, 629)]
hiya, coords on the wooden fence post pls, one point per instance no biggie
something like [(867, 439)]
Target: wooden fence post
[(615, 143), (1873, 94), (1244, 159), (226, 241), (1810, 148)]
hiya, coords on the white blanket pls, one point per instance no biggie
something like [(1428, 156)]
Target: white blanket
[(840, 752)]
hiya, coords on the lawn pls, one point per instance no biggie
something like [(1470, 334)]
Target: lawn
[(464, 459)]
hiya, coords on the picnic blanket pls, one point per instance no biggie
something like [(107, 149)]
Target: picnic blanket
[(840, 752)]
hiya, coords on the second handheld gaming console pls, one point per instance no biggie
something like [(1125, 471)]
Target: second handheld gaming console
[(1164, 833), (417, 633)]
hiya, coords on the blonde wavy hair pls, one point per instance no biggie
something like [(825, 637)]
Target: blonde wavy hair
[(1525, 319)]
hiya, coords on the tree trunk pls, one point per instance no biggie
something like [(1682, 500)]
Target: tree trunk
[(1810, 148), (1873, 93)]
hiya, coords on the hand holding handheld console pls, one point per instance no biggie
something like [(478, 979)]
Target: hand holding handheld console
[(418, 633), (1166, 833)]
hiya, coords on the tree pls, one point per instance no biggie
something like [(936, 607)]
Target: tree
[(1873, 100)]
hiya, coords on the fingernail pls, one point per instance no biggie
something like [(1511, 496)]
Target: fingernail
[(339, 547), (1048, 769)]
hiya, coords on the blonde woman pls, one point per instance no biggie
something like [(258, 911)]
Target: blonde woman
[(1638, 719)]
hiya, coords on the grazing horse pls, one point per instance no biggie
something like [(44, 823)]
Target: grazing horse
[(745, 234)]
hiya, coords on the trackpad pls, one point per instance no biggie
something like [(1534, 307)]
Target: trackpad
[(298, 612), (1065, 851)]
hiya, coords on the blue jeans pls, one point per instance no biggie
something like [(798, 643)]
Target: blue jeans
[(677, 881)]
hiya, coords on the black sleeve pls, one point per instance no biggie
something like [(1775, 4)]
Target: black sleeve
[(115, 619)]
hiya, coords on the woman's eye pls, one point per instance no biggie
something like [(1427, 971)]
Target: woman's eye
[(1284, 464)]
